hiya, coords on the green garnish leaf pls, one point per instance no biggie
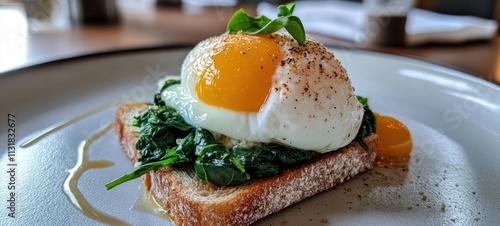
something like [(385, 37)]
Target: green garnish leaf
[(286, 10), (241, 21), (294, 26)]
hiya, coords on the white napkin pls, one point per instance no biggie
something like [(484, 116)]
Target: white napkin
[(345, 20)]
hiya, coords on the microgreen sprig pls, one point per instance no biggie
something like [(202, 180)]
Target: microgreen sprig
[(241, 21)]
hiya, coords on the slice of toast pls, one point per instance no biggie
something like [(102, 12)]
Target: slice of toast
[(192, 201)]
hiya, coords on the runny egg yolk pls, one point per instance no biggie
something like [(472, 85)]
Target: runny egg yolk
[(395, 144), (240, 75)]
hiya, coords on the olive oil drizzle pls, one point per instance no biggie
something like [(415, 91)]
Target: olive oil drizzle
[(146, 203), (83, 164)]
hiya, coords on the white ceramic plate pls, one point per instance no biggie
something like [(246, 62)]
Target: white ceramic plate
[(453, 176)]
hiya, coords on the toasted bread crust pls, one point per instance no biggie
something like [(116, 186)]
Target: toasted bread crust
[(192, 201)]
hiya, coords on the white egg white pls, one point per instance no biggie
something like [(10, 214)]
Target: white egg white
[(311, 104)]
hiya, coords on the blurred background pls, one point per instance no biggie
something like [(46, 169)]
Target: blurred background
[(38, 31)]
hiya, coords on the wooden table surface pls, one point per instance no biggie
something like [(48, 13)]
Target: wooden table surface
[(142, 24)]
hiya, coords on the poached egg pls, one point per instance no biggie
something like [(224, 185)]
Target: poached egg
[(267, 88)]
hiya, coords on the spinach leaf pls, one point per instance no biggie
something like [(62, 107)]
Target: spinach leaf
[(269, 159), (288, 156), (161, 126), (231, 166), (241, 21), (257, 161), (215, 164), (186, 147), (203, 138), (141, 119), (368, 124)]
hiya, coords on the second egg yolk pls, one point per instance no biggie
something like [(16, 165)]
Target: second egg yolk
[(395, 143), (240, 77)]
